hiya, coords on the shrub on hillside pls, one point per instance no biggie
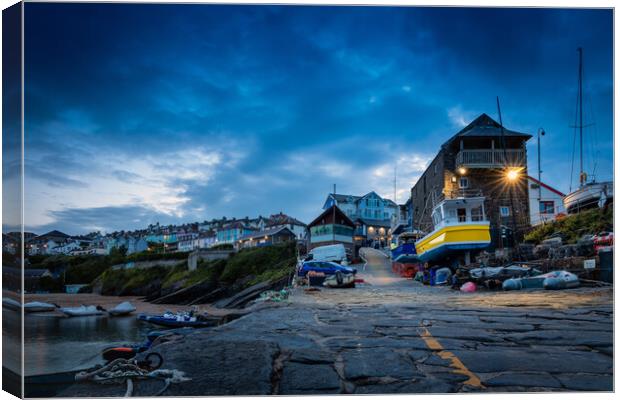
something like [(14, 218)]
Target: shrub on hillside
[(257, 261), (572, 227)]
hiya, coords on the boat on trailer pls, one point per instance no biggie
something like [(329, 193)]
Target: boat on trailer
[(460, 226)]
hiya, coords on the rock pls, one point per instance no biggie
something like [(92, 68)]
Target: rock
[(312, 356), (220, 367), (376, 362), (420, 386), (244, 296), (522, 360), (524, 379), (587, 382), (300, 378)]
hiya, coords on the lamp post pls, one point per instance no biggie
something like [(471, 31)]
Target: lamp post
[(541, 132)]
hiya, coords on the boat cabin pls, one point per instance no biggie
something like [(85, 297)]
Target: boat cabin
[(459, 211)]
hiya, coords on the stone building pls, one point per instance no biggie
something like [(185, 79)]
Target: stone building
[(481, 159)]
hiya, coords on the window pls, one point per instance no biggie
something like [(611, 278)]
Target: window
[(547, 207), (462, 214), (463, 183), (476, 214), (504, 211)]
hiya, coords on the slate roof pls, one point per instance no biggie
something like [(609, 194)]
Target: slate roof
[(485, 126), (345, 197), (266, 232), (281, 219), (236, 225), (339, 212)]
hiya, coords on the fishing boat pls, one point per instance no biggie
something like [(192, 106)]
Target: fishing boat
[(589, 194), (81, 311), (460, 226), (124, 308), (38, 306), (176, 320)]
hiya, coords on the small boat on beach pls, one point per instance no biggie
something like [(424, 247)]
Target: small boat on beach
[(38, 306), (82, 311), (125, 308), (177, 320), (11, 304)]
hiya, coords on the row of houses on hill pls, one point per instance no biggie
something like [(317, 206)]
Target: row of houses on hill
[(245, 232)]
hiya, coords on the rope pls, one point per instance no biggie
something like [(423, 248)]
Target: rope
[(121, 370)]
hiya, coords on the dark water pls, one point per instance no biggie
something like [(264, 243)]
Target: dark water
[(56, 344)]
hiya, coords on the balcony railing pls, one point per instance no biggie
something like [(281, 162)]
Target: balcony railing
[(490, 158)]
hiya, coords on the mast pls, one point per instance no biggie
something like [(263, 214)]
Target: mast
[(582, 177)]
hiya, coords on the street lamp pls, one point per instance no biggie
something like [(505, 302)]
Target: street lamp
[(462, 170), (512, 175), (541, 132)]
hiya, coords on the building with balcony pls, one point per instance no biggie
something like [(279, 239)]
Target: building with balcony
[(481, 159), (332, 227)]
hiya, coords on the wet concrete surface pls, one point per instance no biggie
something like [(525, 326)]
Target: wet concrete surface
[(394, 335)]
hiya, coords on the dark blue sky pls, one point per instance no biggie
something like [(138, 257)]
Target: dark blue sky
[(171, 113)]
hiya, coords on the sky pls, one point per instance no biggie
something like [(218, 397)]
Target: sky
[(140, 113)]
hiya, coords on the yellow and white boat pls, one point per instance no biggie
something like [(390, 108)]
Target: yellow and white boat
[(460, 226)]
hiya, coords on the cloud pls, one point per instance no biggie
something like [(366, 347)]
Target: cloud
[(166, 109)]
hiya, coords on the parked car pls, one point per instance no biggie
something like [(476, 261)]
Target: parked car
[(333, 252), (326, 267)]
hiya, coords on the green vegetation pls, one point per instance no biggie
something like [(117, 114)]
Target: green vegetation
[(243, 269), (258, 261), (574, 226), (135, 280), (154, 256)]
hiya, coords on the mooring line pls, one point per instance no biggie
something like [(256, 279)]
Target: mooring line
[(455, 362)]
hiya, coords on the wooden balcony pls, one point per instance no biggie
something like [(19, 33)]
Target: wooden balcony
[(490, 158)]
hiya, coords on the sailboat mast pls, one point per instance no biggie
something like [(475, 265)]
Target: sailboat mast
[(581, 173)]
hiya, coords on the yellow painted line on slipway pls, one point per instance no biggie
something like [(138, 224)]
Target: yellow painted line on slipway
[(455, 362)]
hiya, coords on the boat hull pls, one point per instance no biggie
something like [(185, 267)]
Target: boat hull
[(453, 239), (588, 196), (173, 323)]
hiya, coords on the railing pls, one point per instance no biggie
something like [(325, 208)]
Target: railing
[(488, 158)]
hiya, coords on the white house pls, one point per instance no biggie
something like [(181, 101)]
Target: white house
[(186, 241), (204, 240), (546, 203), (282, 220), (371, 206)]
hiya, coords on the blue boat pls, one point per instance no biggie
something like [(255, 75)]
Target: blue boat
[(178, 320), (406, 246)]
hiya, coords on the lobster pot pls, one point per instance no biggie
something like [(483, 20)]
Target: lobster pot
[(606, 258)]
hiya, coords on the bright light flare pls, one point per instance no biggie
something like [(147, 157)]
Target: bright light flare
[(512, 175)]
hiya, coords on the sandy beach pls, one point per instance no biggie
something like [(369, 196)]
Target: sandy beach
[(107, 302)]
